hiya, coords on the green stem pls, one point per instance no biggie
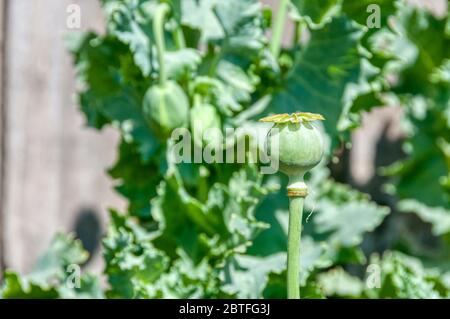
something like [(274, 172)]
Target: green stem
[(158, 30), (179, 38), (202, 190), (214, 63), (297, 190), (294, 237), (278, 28), (298, 30)]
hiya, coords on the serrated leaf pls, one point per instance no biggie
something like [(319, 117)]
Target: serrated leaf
[(131, 261), (427, 164), (181, 62), (248, 275), (316, 12), (438, 217), (329, 73), (242, 24), (360, 11), (336, 282), (347, 222), (50, 275), (135, 180), (130, 22), (199, 14), (114, 90), (15, 287), (426, 34), (402, 276)]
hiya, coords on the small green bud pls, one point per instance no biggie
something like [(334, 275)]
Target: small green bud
[(166, 107)]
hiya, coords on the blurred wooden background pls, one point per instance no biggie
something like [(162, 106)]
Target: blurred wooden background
[(52, 175)]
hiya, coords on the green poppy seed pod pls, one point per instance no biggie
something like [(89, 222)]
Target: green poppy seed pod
[(166, 107), (296, 145), (204, 117), (300, 146)]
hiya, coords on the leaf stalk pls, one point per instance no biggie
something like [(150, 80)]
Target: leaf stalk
[(278, 28), (158, 30), (297, 192)]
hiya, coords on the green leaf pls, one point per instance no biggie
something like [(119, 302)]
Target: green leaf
[(338, 283), (130, 22), (423, 89), (329, 73), (404, 277), (312, 257), (238, 81), (248, 275), (90, 288), (114, 90), (237, 25), (185, 280), (15, 287), (202, 230), (181, 62), (51, 274), (276, 288), (273, 211), (335, 220), (228, 214), (316, 12), (135, 180), (359, 10), (427, 164), (219, 93), (430, 44), (63, 251), (137, 269), (347, 222), (179, 213), (131, 260), (199, 14), (438, 217), (242, 25), (341, 213)]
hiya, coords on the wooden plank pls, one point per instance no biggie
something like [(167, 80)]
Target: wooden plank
[(54, 167), (378, 125), (2, 118)]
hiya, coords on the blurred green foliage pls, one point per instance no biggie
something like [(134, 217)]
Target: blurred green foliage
[(219, 230)]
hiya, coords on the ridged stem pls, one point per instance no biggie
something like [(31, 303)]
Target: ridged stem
[(278, 28), (179, 38), (298, 30), (297, 190)]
